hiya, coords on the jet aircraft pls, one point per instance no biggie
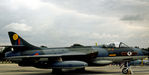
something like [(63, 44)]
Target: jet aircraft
[(77, 56)]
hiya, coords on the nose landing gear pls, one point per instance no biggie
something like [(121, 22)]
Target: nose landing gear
[(126, 69)]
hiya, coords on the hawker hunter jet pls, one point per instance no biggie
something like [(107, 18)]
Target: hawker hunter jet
[(25, 54), (77, 56)]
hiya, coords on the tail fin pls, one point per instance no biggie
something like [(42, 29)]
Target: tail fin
[(17, 40)]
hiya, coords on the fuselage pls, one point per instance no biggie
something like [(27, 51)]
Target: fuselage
[(96, 55), (76, 56)]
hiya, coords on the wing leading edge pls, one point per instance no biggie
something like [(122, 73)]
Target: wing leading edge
[(48, 55)]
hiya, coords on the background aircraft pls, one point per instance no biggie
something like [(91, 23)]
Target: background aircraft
[(77, 56), (140, 62)]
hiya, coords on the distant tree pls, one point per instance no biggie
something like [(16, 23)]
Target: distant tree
[(136, 46)]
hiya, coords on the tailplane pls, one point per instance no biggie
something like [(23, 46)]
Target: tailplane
[(18, 41)]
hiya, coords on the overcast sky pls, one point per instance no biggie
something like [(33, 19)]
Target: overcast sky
[(65, 22)]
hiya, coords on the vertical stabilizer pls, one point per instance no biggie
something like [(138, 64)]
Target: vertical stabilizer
[(18, 41)]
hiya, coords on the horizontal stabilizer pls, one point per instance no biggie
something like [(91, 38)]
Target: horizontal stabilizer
[(11, 46)]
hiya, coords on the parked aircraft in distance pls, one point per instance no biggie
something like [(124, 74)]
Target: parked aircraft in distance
[(77, 56), (140, 62)]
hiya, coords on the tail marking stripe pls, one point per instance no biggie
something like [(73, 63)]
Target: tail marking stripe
[(19, 42)]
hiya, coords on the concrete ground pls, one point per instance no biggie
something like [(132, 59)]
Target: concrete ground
[(13, 69)]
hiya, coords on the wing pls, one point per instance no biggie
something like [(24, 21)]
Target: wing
[(48, 56)]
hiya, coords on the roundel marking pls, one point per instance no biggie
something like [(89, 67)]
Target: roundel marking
[(15, 37), (36, 53), (129, 53)]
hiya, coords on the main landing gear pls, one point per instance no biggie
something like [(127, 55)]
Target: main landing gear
[(126, 69)]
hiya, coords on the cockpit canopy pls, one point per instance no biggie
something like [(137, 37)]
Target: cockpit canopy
[(116, 45)]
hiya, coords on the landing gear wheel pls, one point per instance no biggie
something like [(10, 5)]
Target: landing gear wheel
[(126, 71), (56, 71)]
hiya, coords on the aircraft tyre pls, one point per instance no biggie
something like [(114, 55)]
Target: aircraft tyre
[(56, 71), (126, 71)]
